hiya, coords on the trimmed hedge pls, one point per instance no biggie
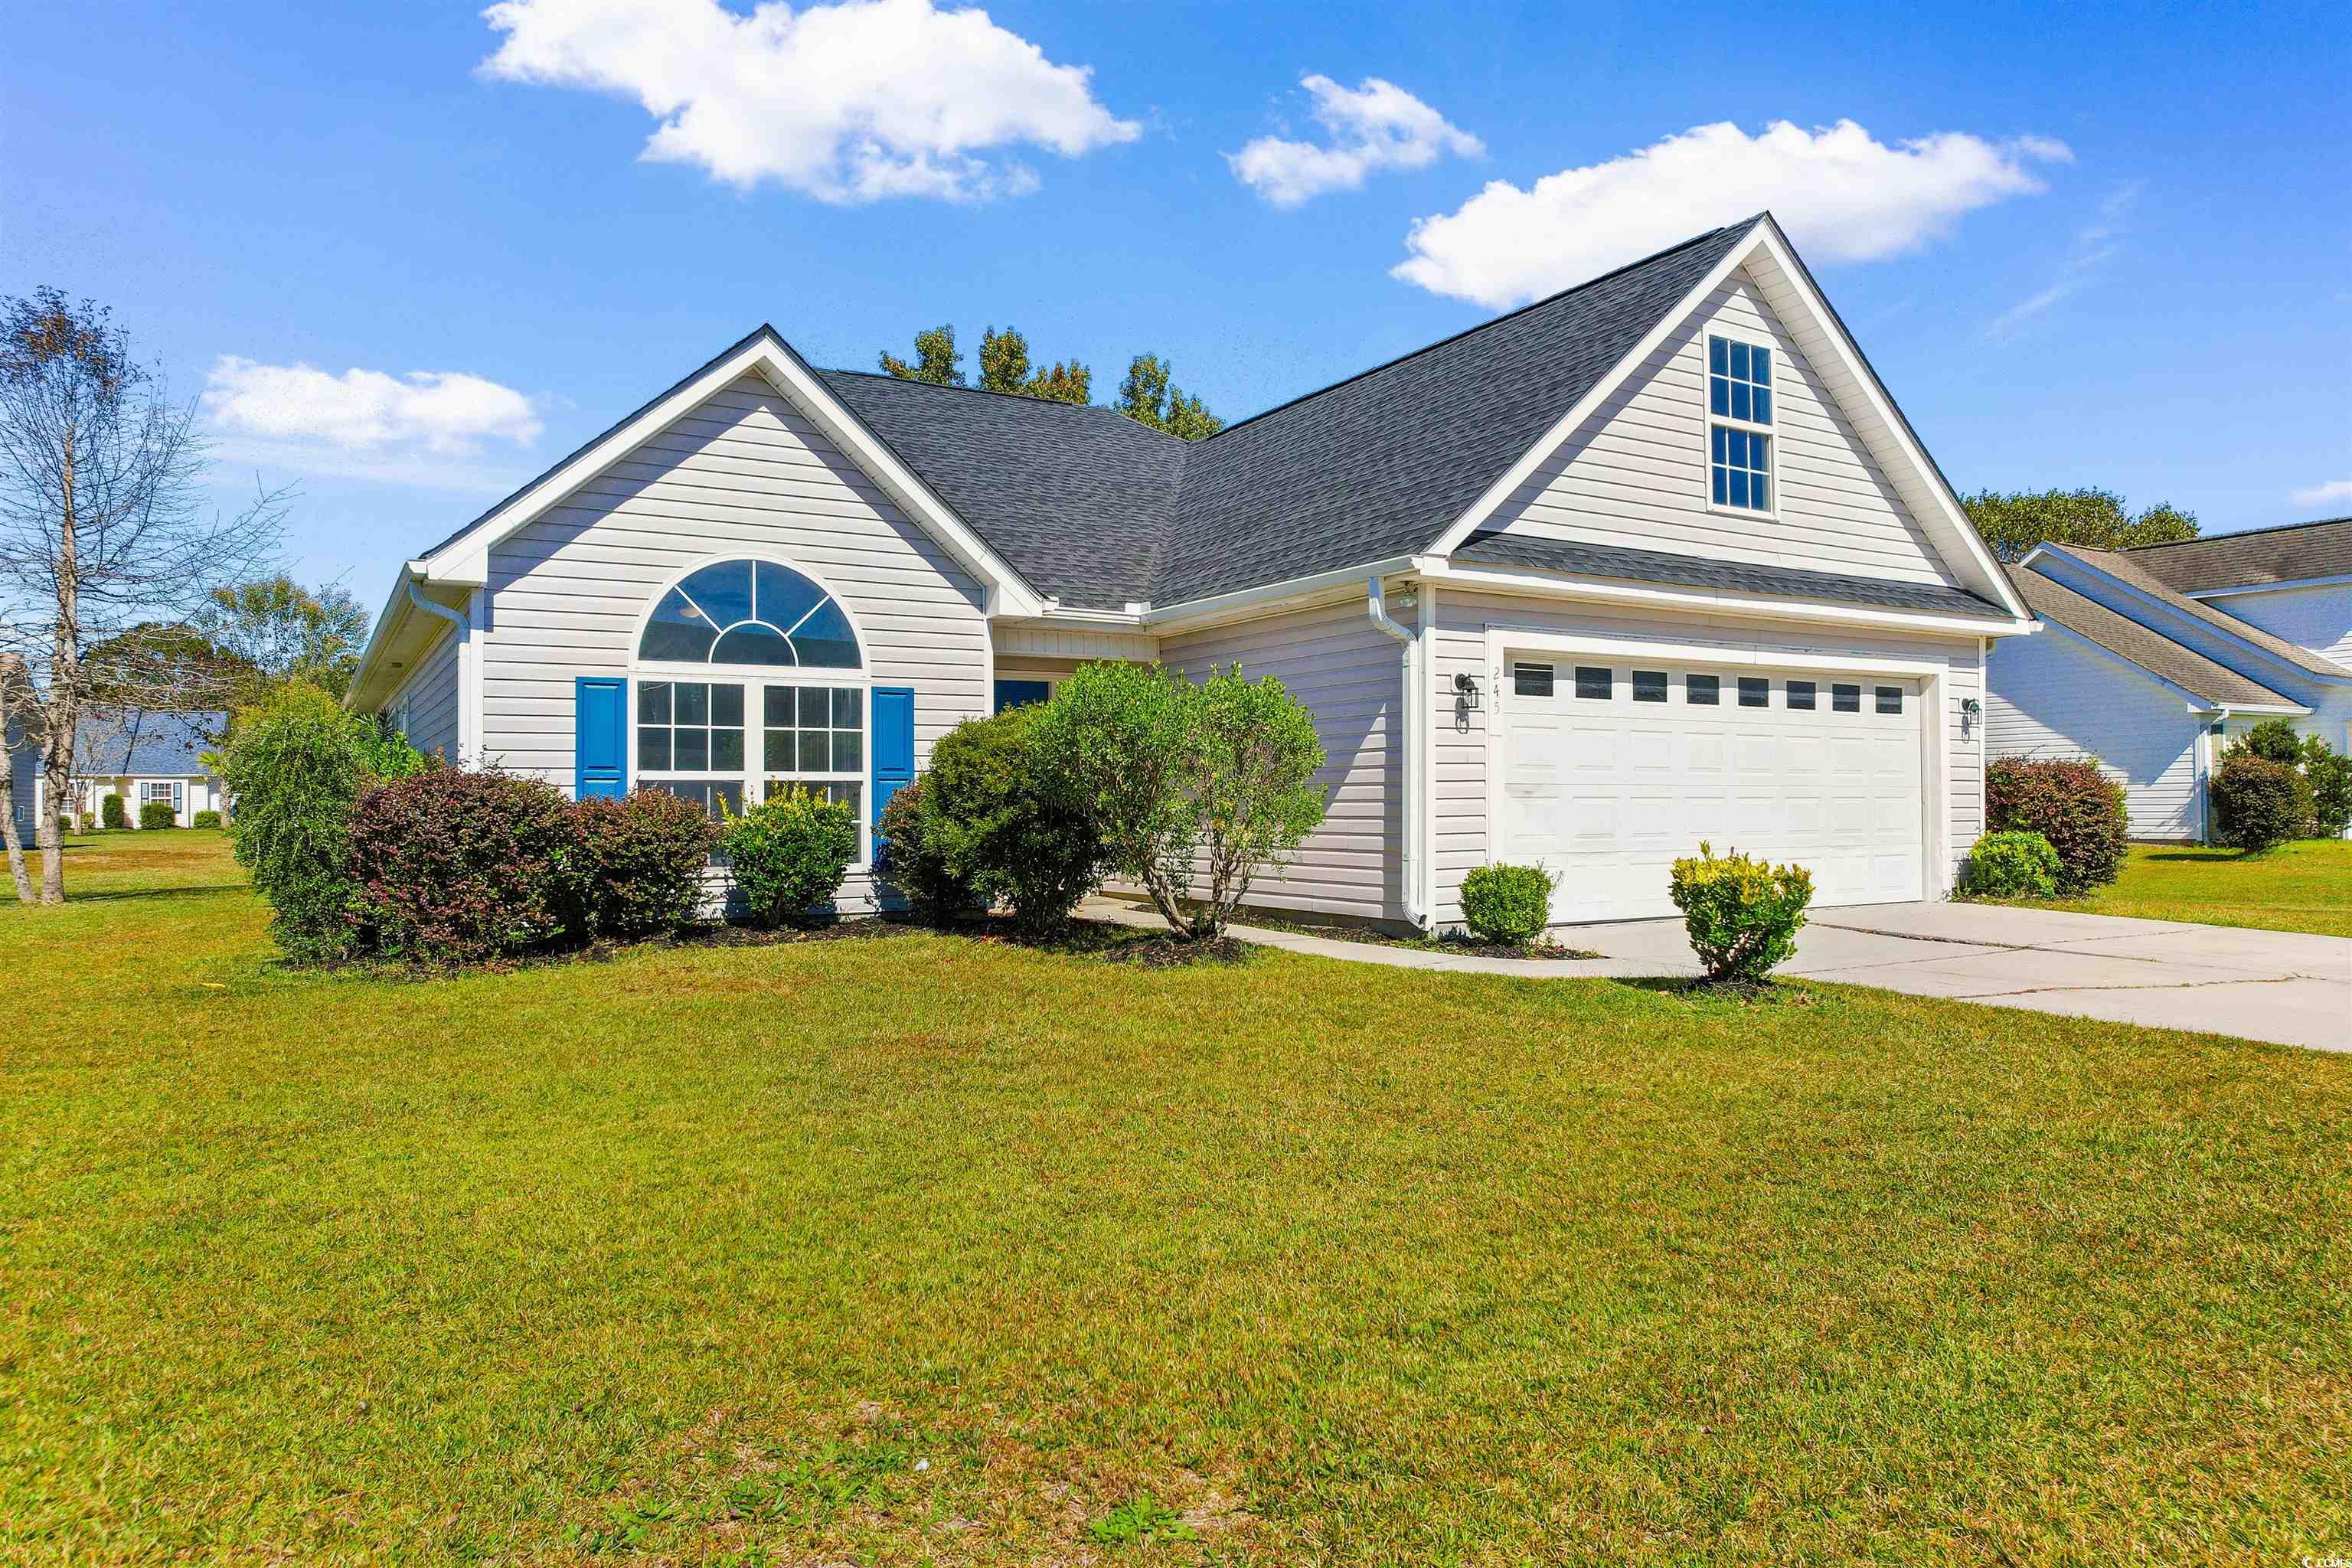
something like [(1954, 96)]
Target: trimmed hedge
[(2073, 805), (2012, 865), (790, 855), (1742, 913), (110, 812), (157, 814), (205, 819), (2257, 805), (1508, 905), (642, 859), (453, 867)]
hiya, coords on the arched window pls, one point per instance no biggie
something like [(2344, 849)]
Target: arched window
[(781, 704), (750, 612)]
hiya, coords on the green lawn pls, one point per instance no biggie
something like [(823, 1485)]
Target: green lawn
[(2305, 885), (933, 1251)]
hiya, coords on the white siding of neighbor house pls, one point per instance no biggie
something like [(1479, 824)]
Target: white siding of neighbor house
[(2054, 695), (1459, 752), (2317, 618), (1349, 676), (427, 700), (1635, 475), (24, 785), (743, 472)]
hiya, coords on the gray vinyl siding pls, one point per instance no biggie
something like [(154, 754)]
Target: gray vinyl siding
[(745, 472), (1459, 753), (1349, 676), (2054, 695), (430, 696), (2318, 617), (23, 787), (1634, 474)]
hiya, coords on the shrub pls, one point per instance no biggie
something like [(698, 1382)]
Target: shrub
[(641, 864), (2071, 804), (295, 768), (912, 860), (1507, 904), (110, 812), (791, 853), (1187, 782), (2012, 865), (205, 819), (1742, 914), (2330, 775), (2274, 740), (157, 814), (2256, 803), (1003, 823), (455, 868)]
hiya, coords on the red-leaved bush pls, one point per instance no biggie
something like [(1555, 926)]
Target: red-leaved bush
[(643, 861), (455, 868), (2071, 804)]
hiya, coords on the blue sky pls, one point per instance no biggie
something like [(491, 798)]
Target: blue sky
[(2123, 263)]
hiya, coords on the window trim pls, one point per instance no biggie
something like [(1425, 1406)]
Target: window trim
[(1709, 420), (754, 678)]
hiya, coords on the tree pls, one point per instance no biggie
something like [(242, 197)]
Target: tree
[(936, 360), (2013, 523), (1149, 397), (280, 630), (99, 530), (1004, 367)]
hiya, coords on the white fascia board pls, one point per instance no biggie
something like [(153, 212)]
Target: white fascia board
[(373, 681), (467, 560), (1243, 604), (1814, 612), (2269, 587)]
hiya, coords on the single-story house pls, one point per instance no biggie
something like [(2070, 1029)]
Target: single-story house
[(23, 780), (1651, 561), (2154, 658), (145, 756)]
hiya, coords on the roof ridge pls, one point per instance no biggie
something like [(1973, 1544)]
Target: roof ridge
[(2233, 533), (1493, 321)]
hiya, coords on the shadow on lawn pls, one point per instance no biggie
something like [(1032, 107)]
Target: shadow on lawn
[(118, 895)]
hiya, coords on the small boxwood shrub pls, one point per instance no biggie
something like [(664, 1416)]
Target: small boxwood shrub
[(790, 855), (2012, 865), (912, 861), (2071, 804), (455, 868), (110, 812), (641, 864), (1508, 905), (1003, 822), (1742, 914), (2256, 803), (157, 814), (205, 819)]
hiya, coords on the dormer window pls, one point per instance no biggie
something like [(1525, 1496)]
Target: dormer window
[(1739, 423)]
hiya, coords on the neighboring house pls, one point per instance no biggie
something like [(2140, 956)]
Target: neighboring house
[(2153, 657), (23, 780), (144, 757), (1653, 561)]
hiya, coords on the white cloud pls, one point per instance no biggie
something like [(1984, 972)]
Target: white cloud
[(1842, 194), (2329, 493), (2094, 243), (848, 102), (1378, 125), (424, 427)]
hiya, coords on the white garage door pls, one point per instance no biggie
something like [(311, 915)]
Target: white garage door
[(1611, 771)]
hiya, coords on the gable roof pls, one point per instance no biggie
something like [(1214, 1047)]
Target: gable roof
[(2288, 553), (148, 744), (2124, 567), (2151, 650)]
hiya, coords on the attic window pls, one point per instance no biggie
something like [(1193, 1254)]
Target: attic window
[(1739, 420), (750, 612)]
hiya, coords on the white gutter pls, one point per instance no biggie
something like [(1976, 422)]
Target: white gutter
[(1412, 701), (466, 747)]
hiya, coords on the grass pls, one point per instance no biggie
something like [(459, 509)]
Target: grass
[(2305, 886), (941, 1251)]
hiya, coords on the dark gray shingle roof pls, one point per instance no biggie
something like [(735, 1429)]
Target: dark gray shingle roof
[(2127, 639), (149, 745), (1731, 576), (2124, 567), (2284, 554)]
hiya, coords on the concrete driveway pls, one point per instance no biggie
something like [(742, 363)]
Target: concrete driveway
[(2260, 984)]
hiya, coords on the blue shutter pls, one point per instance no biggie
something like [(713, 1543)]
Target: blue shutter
[(1021, 693), (599, 736), (894, 742)]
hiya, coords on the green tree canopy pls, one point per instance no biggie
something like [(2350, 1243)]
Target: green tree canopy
[(2013, 523), (936, 359), (1004, 367), (1148, 395), (283, 631)]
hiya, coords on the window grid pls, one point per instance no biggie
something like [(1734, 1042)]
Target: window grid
[(1739, 449), (1739, 381)]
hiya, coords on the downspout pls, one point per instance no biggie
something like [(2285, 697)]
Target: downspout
[(1412, 698), (465, 657)]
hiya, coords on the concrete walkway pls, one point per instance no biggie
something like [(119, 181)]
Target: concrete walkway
[(2282, 986)]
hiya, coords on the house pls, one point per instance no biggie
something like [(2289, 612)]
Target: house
[(2155, 657), (1651, 561), (23, 780), (142, 757)]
